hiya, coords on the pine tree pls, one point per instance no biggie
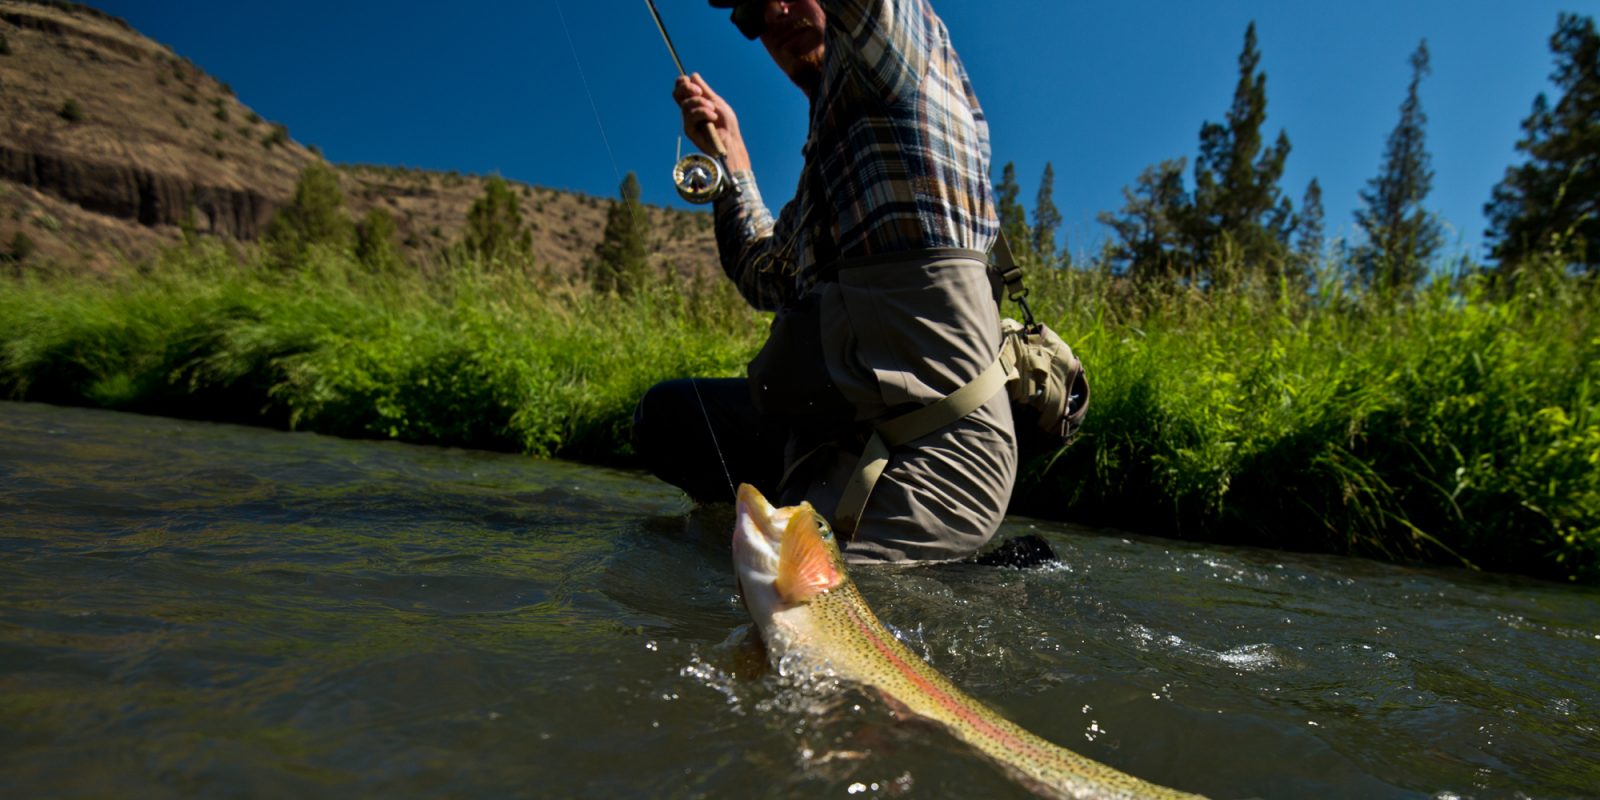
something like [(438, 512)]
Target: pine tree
[(1309, 240), (375, 241), (1402, 237), (189, 227), (621, 262), (494, 223), (1149, 228), (314, 216), (1237, 203), (1046, 219), (1013, 217), (1551, 202)]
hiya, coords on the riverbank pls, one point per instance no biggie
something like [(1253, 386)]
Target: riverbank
[(1460, 426)]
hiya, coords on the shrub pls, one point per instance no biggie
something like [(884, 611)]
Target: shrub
[(314, 217), (494, 223), (21, 247), (375, 242), (277, 136)]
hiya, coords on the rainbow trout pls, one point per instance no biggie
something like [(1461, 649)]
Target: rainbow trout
[(792, 578)]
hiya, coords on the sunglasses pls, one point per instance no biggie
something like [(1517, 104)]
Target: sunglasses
[(750, 18)]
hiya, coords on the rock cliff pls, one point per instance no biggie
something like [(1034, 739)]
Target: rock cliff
[(110, 143)]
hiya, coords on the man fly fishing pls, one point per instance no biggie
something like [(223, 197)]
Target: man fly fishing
[(876, 397)]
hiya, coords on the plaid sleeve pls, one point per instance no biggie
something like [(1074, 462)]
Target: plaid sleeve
[(889, 37), (750, 244)]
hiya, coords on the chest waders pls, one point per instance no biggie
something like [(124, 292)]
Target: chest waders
[(1045, 380)]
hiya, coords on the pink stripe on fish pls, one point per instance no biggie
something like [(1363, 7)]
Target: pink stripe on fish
[(962, 710)]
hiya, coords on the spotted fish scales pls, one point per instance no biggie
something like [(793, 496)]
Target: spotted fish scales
[(793, 581)]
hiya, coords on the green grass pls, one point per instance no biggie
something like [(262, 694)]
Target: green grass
[(1460, 426), (479, 356)]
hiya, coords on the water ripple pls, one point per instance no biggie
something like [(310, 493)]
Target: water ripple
[(190, 609)]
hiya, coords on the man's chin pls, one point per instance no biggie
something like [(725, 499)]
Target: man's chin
[(806, 70)]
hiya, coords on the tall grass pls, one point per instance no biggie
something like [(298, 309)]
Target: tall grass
[(1458, 426), (479, 354)]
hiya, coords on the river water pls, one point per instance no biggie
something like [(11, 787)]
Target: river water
[(189, 609)]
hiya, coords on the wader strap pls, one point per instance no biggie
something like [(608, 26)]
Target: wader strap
[(1011, 275), (904, 428)]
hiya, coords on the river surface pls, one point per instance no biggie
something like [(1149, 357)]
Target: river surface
[(189, 609)]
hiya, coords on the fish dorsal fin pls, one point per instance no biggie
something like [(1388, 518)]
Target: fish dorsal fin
[(805, 565)]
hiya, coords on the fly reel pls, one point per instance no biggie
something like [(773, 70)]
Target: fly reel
[(699, 178)]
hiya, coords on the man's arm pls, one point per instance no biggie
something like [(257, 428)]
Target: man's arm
[(890, 38), (756, 250)]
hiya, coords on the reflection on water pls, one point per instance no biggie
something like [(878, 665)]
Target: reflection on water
[(199, 609)]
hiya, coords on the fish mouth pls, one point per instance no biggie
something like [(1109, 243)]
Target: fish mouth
[(757, 536)]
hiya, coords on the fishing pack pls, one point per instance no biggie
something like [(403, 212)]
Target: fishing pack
[(1047, 384)]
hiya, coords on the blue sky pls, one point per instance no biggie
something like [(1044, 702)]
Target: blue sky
[(1101, 90)]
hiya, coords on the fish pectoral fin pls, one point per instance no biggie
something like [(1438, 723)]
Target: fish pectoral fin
[(805, 563)]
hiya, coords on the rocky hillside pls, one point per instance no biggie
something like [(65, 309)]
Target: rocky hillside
[(109, 142)]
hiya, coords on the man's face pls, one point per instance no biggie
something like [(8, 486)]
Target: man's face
[(793, 37)]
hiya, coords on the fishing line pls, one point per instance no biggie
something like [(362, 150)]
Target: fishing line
[(585, 80), (617, 172), (713, 431)]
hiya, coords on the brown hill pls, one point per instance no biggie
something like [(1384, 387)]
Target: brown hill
[(110, 141)]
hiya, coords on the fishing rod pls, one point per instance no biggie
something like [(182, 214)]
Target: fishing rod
[(699, 178)]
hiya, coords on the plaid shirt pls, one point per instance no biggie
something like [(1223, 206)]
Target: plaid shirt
[(898, 144)]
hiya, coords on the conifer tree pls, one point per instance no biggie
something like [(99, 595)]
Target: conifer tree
[(1236, 198), (1013, 217), (375, 241), (1046, 218), (1551, 202), (1402, 237), (314, 216), (494, 223), (189, 227), (621, 262), (1309, 240), (1150, 227)]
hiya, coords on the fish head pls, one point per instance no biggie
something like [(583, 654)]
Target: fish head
[(783, 558)]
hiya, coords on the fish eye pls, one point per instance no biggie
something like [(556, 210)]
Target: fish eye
[(824, 528)]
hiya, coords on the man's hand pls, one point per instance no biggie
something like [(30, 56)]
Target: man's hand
[(702, 107)]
